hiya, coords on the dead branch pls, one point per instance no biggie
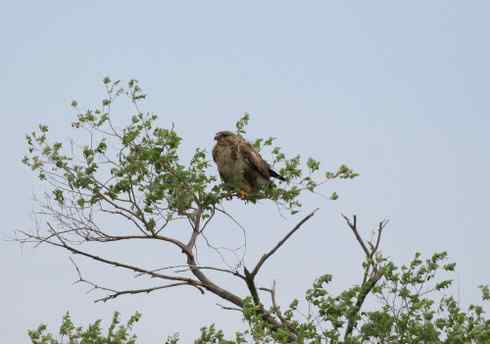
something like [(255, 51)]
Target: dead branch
[(353, 226), (280, 243), (116, 293), (381, 226), (229, 308)]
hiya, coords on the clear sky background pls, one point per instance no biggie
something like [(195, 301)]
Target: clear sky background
[(398, 90)]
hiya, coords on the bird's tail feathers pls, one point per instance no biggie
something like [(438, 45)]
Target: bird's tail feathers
[(276, 175)]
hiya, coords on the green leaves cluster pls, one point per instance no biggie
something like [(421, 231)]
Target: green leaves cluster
[(68, 333), (409, 305)]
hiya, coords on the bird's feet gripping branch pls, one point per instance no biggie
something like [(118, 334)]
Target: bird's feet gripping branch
[(243, 194)]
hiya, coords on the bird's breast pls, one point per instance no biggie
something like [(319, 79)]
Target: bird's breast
[(226, 157)]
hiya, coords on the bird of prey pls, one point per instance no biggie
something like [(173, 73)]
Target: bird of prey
[(240, 166)]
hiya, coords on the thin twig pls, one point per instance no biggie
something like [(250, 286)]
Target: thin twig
[(116, 293), (138, 291), (186, 268), (229, 308)]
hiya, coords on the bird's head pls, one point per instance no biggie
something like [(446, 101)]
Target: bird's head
[(223, 134)]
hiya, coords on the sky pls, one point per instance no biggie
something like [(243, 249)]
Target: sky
[(397, 90)]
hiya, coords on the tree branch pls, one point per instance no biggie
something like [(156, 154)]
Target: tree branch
[(280, 243), (185, 268), (381, 226), (249, 280), (353, 227), (116, 293), (229, 308), (139, 291)]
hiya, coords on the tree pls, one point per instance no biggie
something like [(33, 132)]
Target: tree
[(135, 175)]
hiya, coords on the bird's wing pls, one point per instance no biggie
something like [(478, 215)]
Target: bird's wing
[(215, 153), (254, 158)]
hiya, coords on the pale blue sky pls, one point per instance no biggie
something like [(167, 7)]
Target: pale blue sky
[(398, 90)]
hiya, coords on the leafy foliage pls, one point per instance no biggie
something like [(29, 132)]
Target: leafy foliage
[(70, 334), (144, 167), (411, 307)]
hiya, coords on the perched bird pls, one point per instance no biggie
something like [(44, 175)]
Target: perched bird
[(240, 166)]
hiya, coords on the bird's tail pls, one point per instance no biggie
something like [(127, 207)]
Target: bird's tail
[(276, 175)]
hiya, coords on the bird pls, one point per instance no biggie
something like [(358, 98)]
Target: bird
[(240, 166)]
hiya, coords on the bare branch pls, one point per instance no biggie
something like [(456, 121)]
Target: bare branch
[(176, 242), (353, 227), (206, 283), (280, 243), (140, 291), (229, 308), (381, 226), (116, 293), (196, 224), (185, 268)]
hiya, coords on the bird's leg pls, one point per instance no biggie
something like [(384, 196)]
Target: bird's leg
[(243, 194)]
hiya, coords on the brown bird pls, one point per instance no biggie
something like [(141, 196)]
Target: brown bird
[(240, 166)]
